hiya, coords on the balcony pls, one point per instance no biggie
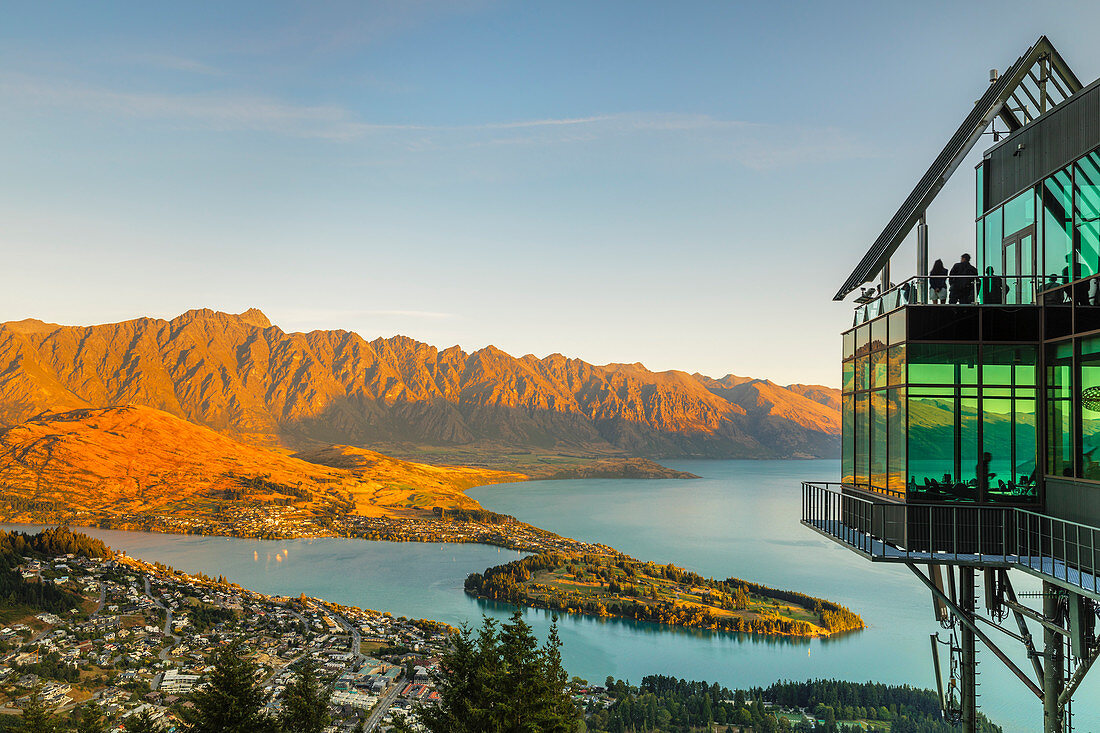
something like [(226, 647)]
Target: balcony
[(996, 290), (1055, 550)]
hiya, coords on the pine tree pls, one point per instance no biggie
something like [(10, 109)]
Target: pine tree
[(141, 723), (88, 719), (502, 682), (305, 702), (36, 718), (231, 701)]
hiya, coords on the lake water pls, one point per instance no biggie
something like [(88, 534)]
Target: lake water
[(740, 520)]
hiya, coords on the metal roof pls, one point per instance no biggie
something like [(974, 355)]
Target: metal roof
[(1018, 97)]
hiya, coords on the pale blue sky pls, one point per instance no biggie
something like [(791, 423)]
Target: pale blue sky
[(682, 184)]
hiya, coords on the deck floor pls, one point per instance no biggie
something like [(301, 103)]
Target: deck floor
[(1043, 566)]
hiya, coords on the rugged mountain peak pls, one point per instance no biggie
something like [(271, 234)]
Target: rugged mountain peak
[(30, 325), (240, 375), (251, 317), (255, 317)]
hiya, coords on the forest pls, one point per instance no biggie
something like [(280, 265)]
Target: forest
[(669, 705), (17, 593), (621, 586)]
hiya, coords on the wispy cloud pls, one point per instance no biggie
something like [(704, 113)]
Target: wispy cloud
[(751, 144), (179, 63)]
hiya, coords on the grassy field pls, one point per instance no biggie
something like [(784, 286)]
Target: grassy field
[(651, 590)]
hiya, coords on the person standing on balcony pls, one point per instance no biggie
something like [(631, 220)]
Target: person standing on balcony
[(993, 288), (937, 282), (962, 276)]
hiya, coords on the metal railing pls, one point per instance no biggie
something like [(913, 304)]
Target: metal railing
[(1053, 548), (958, 290)]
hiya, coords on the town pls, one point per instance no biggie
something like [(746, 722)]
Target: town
[(143, 640)]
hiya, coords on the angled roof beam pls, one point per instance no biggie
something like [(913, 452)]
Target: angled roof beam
[(990, 106), (1053, 77), (1038, 109), (1039, 85)]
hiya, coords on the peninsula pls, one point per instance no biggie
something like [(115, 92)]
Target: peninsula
[(621, 586)]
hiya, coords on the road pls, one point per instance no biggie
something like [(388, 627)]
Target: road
[(356, 636), (167, 620), (102, 598), (383, 706)]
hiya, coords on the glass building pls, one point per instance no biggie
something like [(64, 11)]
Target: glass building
[(971, 397)]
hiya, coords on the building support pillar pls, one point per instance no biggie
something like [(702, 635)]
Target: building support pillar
[(968, 662), (1053, 677), (922, 260)]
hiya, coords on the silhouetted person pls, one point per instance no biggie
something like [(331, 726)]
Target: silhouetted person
[(993, 288), (937, 282), (962, 277), (984, 474)]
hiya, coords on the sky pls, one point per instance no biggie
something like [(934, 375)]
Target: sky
[(681, 184)]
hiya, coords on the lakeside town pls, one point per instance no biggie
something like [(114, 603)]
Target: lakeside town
[(143, 641), (275, 522)]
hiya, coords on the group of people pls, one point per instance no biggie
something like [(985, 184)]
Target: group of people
[(957, 284)]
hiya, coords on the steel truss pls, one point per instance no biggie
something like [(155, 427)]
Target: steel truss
[(1067, 624)]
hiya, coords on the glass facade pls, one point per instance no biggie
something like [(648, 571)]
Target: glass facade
[(1073, 408), (942, 421), (1046, 236), (966, 418)]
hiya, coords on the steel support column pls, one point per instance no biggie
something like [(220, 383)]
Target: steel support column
[(1053, 644), (968, 663)]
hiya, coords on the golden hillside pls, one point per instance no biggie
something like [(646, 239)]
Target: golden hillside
[(115, 461)]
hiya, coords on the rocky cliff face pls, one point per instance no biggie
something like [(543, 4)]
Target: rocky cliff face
[(244, 377)]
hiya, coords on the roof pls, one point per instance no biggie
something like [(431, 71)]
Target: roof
[(1017, 97)]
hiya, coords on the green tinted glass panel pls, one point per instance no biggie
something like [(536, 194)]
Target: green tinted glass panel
[(878, 440), (849, 345), (878, 369), (896, 439), (993, 238), (1025, 449), (1057, 196), (897, 324), (942, 445), (1086, 218), (1019, 213), (847, 435), (863, 338), (862, 372), (942, 363), (895, 366), (848, 376), (1008, 428), (1009, 365), (878, 333), (1059, 403), (1090, 409), (979, 203), (862, 452), (979, 247)]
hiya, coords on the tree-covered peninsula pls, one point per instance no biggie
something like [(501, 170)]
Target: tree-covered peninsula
[(621, 586)]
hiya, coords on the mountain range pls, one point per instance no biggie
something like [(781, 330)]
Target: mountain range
[(241, 376)]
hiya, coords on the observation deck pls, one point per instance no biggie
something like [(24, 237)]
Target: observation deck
[(1055, 550)]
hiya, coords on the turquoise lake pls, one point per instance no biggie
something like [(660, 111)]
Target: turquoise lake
[(740, 519)]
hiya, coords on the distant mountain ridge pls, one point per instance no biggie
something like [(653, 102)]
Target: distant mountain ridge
[(242, 376)]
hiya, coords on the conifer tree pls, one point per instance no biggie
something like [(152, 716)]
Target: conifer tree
[(231, 701), (88, 719), (36, 718), (305, 702), (141, 723), (502, 682)]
